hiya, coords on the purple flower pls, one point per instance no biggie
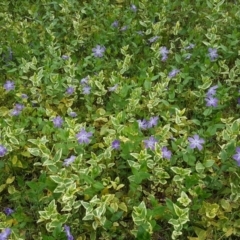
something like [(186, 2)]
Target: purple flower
[(70, 90), (86, 90), (112, 89), (188, 56), (152, 122), (196, 142), (211, 91), (72, 114), (237, 156), (115, 24), (8, 211), (19, 107), (212, 53), (163, 50), (166, 153), (3, 151), (68, 161), (190, 46), (58, 121), (98, 51), (116, 144), (68, 233), (83, 136), (153, 39), (25, 96), (133, 8), (142, 124), (173, 73), (124, 28), (5, 234), (84, 80), (150, 143), (15, 112), (65, 57), (9, 85), (211, 101)]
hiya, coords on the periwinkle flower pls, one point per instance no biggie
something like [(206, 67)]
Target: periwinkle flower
[(212, 91), (211, 101), (150, 143), (188, 56), (83, 136), (98, 51), (166, 153), (5, 234), (164, 52), (173, 73), (8, 211), (142, 124), (86, 90), (70, 90), (68, 161), (68, 233), (212, 53), (190, 46), (65, 57), (9, 85), (58, 121), (196, 142), (153, 39), (3, 151), (73, 114), (152, 122), (19, 107), (15, 112), (116, 144), (236, 156), (115, 24), (133, 8)]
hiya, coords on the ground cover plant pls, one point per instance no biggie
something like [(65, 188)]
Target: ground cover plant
[(119, 120)]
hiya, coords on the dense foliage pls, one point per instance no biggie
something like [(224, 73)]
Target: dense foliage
[(119, 119)]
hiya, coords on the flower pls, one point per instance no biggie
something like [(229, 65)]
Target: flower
[(133, 8), (8, 211), (166, 153), (68, 233), (212, 53), (58, 121), (150, 143), (237, 156), (65, 57), (116, 144), (15, 112), (98, 51), (9, 85), (68, 161), (140, 33), (153, 39), (112, 89), (83, 136), (115, 24), (173, 73), (188, 56), (152, 122), (212, 90), (5, 234), (142, 124), (19, 107), (86, 90), (72, 114), (196, 142), (211, 101), (70, 90), (3, 151), (164, 52)]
